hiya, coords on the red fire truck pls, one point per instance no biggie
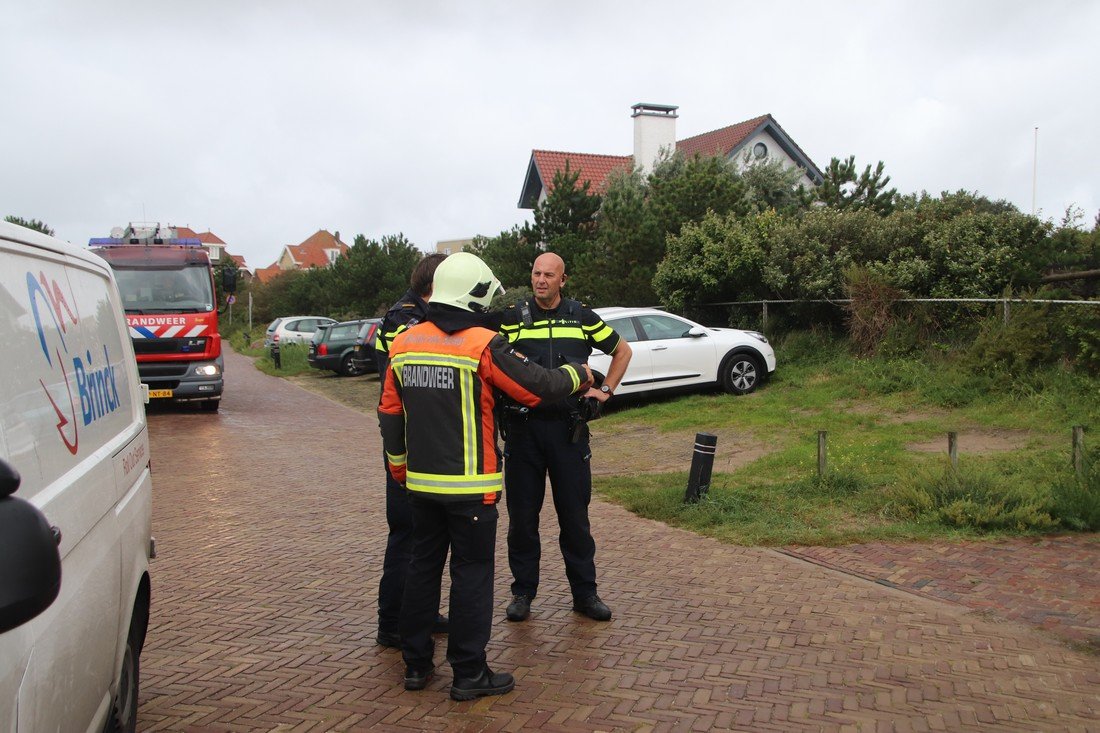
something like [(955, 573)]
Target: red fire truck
[(167, 287)]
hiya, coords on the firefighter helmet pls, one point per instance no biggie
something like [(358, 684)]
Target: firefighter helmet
[(464, 281)]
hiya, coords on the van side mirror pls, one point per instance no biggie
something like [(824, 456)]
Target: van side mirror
[(229, 279), (30, 564)]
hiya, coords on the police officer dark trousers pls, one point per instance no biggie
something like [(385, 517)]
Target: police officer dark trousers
[(537, 445), (552, 440)]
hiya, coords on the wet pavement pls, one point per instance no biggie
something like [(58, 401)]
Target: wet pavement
[(270, 528)]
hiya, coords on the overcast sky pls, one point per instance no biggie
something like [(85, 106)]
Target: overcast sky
[(264, 121)]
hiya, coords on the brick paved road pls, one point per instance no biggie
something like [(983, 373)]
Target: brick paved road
[(270, 532)]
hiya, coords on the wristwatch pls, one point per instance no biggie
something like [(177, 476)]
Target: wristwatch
[(606, 390)]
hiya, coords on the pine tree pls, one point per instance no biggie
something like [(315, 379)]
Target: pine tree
[(34, 224)]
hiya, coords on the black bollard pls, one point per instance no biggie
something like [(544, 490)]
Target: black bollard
[(276, 357), (702, 462)]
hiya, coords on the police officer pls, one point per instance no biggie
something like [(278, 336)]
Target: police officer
[(410, 310), (552, 438), (439, 431)]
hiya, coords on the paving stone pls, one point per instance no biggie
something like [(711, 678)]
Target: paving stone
[(270, 527)]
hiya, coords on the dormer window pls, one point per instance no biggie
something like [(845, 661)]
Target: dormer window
[(332, 255), (215, 254)]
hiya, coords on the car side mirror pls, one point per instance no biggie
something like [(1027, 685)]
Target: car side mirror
[(696, 332), (30, 564)]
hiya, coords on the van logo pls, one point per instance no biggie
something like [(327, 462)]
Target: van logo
[(96, 385)]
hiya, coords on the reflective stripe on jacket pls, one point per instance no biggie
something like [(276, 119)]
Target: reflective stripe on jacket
[(436, 411)]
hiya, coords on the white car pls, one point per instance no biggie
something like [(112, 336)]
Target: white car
[(297, 329), (671, 351)]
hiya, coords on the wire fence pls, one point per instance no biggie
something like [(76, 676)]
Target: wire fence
[(762, 315)]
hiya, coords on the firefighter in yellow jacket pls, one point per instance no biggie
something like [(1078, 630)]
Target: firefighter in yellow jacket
[(439, 432)]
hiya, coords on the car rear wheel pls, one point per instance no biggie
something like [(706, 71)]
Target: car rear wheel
[(348, 368), (740, 373)]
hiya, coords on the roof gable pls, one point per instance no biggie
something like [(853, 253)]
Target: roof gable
[(726, 142), (313, 252)]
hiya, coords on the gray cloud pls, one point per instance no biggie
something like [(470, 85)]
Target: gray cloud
[(264, 121)]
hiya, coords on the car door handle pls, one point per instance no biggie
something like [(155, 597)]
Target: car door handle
[(660, 348)]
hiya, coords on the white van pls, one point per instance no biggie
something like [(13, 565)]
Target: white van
[(74, 448)]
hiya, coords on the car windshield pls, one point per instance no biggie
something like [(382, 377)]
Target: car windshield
[(168, 290)]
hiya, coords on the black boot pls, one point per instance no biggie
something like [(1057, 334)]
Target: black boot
[(485, 684), (417, 679), (593, 608)]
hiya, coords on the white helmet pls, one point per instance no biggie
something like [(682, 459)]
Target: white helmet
[(464, 281)]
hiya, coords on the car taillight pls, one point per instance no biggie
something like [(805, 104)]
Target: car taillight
[(370, 333), (275, 338), (322, 350)]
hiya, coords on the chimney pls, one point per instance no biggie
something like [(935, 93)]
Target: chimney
[(654, 131)]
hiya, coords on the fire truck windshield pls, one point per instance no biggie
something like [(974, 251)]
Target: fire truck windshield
[(166, 290)]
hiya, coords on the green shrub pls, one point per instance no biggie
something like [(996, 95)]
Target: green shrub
[(809, 348), (972, 499), (1077, 500), (1029, 339)]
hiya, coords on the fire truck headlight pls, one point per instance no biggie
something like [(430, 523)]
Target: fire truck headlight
[(207, 370)]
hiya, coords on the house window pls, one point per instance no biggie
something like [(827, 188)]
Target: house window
[(332, 255), (215, 254), (760, 151)]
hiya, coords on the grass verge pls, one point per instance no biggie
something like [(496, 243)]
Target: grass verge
[(878, 485)]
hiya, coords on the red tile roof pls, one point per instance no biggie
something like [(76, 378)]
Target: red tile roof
[(239, 259), (204, 237), (185, 232), (311, 252), (720, 142), (594, 168), (269, 273)]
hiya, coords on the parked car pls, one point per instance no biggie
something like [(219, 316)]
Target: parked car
[(298, 329), (363, 356), (333, 347), (76, 493), (269, 334), (671, 351)]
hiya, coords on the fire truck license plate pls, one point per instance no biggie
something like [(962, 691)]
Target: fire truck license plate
[(154, 393)]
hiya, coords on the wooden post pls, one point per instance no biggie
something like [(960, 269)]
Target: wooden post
[(1006, 311), (953, 448), (1079, 451), (764, 317), (821, 452)]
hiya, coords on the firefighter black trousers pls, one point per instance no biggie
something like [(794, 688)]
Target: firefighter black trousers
[(534, 448), (395, 566), (469, 529)]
